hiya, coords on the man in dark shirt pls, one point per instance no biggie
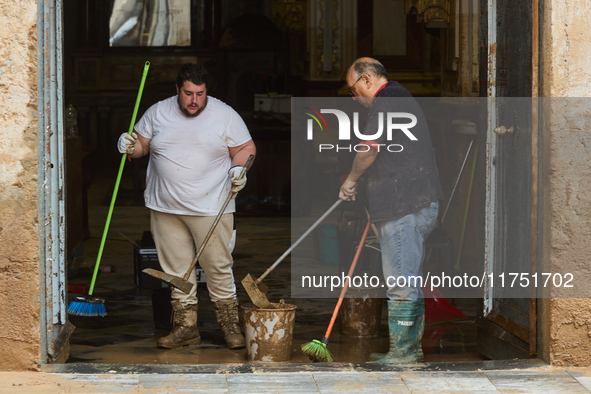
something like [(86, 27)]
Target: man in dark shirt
[(404, 191)]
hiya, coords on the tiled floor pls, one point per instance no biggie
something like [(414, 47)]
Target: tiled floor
[(477, 377)]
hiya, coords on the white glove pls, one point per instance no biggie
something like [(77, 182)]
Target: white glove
[(237, 182), (126, 143)]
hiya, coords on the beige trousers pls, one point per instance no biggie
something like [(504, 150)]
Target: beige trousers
[(177, 239)]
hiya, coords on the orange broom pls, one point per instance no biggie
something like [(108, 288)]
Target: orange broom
[(317, 350)]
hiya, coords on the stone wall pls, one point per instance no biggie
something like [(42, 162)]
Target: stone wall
[(566, 229), (19, 228)]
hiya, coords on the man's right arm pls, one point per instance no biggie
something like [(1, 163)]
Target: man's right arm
[(142, 147), (362, 161), (133, 144)]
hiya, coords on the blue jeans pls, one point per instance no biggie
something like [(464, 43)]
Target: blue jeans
[(402, 242)]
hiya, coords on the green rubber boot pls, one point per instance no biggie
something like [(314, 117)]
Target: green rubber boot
[(403, 330), (420, 328)]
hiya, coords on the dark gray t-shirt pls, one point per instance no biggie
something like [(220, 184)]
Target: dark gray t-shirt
[(405, 180)]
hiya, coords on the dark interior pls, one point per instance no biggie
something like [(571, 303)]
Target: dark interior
[(258, 52)]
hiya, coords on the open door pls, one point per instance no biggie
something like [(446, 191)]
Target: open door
[(507, 327)]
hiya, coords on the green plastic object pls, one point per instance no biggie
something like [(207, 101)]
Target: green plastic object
[(118, 181), (403, 333)]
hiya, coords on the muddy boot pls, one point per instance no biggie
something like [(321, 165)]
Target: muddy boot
[(184, 331), (226, 312), (420, 328), (402, 322)]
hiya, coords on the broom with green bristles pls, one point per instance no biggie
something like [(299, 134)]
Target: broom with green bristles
[(95, 306), (317, 350)]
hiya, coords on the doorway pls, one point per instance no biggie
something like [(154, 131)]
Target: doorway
[(127, 334)]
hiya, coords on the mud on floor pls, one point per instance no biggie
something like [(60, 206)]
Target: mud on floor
[(128, 335)]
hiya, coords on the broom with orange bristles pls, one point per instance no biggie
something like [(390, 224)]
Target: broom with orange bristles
[(317, 350)]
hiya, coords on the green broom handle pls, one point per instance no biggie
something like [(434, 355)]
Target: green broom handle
[(116, 189)]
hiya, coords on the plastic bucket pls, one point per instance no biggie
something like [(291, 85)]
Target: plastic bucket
[(269, 332), (329, 244), (361, 313)]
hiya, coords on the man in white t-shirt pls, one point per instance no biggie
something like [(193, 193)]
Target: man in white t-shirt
[(197, 146)]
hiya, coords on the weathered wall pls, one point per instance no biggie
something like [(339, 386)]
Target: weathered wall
[(566, 323), (19, 228)]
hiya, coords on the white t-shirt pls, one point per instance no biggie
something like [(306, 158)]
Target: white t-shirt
[(189, 157)]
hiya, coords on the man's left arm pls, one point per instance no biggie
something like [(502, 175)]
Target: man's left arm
[(240, 154)]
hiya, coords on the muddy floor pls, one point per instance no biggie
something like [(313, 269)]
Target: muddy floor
[(136, 319)]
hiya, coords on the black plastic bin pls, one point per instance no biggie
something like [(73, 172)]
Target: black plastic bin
[(161, 308), (146, 257)]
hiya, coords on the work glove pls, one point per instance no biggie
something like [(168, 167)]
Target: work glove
[(237, 182), (126, 143)]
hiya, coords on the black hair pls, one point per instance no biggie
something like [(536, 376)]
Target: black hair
[(193, 73)]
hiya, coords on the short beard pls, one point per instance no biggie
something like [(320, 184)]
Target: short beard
[(187, 113)]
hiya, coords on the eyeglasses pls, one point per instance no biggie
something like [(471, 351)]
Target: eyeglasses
[(351, 91)]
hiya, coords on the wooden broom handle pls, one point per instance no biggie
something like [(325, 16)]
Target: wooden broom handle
[(231, 195)]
